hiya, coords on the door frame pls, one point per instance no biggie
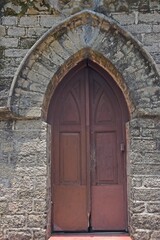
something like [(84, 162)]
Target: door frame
[(125, 118)]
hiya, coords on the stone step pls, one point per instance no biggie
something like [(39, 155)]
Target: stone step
[(89, 237)]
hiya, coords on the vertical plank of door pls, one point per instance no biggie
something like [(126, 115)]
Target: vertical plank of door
[(87, 108)]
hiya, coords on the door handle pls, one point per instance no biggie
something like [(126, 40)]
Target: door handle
[(122, 147)]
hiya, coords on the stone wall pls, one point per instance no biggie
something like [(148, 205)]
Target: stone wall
[(24, 156), (144, 171), (23, 180), (18, 34)]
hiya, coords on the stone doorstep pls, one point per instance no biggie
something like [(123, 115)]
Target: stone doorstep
[(90, 237)]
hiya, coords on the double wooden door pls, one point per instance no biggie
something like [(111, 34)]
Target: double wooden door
[(88, 159)]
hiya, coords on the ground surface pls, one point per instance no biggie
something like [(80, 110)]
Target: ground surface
[(89, 237)]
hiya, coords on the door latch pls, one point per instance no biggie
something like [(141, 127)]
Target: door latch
[(122, 147)]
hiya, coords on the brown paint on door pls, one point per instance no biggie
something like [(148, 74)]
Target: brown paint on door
[(88, 115)]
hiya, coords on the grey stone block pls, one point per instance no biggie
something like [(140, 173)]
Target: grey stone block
[(9, 42), (153, 207), (139, 28), (155, 235), (123, 18), (15, 53), (36, 31), (9, 21), (2, 31), (149, 17), (30, 21), (16, 31), (151, 38), (146, 194), (49, 21), (146, 221)]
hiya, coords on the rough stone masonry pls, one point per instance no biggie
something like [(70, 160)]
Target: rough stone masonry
[(40, 41)]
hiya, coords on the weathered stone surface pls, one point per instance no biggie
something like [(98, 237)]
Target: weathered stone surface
[(18, 221), (155, 235), (151, 182), (137, 207), (24, 161), (146, 221), (35, 221), (146, 194), (153, 208), (2, 31), (10, 21), (35, 32), (9, 42), (22, 234), (31, 21), (142, 235), (15, 53), (16, 31)]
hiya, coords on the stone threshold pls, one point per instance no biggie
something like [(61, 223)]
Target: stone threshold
[(89, 237)]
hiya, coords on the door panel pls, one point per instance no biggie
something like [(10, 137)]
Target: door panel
[(70, 208), (106, 166), (108, 212), (70, 184), (88, 187), (108, 208), (70, 143)]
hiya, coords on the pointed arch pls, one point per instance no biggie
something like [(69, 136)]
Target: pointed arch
[(85, 35)]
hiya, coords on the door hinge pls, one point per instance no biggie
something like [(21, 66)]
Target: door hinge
[(122, 147)]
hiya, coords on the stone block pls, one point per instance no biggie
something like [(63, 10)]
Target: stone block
[(57, 48), (155, 47), (146, 221), (17, 234), (18, 221), (139, 28), (36, 78), (3, 207), (155, 235), (35, 31), (38, 67), (39, 234), (142, 145), (16, 31), (26, 43), (146, 194), (40, 206), (49, 21), (20, 206), (123, 18), (9, 20), (145, 169), (2, 31), (36, 221), (142, 235), (29, 21), (136, 182), (156, 28), (149, 17), (153, 208), (8, 72), (151, 38), (15, 53), (137, 207), (151, 182), (156, 57), (9, 42)]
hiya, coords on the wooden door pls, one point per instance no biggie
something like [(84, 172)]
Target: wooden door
[(88, 165)]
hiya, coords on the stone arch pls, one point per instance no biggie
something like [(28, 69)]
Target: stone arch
[(85, 35)]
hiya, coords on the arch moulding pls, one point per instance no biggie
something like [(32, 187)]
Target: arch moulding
[(84, 35)]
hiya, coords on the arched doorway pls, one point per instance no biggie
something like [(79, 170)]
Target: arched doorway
[(88, 114)]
